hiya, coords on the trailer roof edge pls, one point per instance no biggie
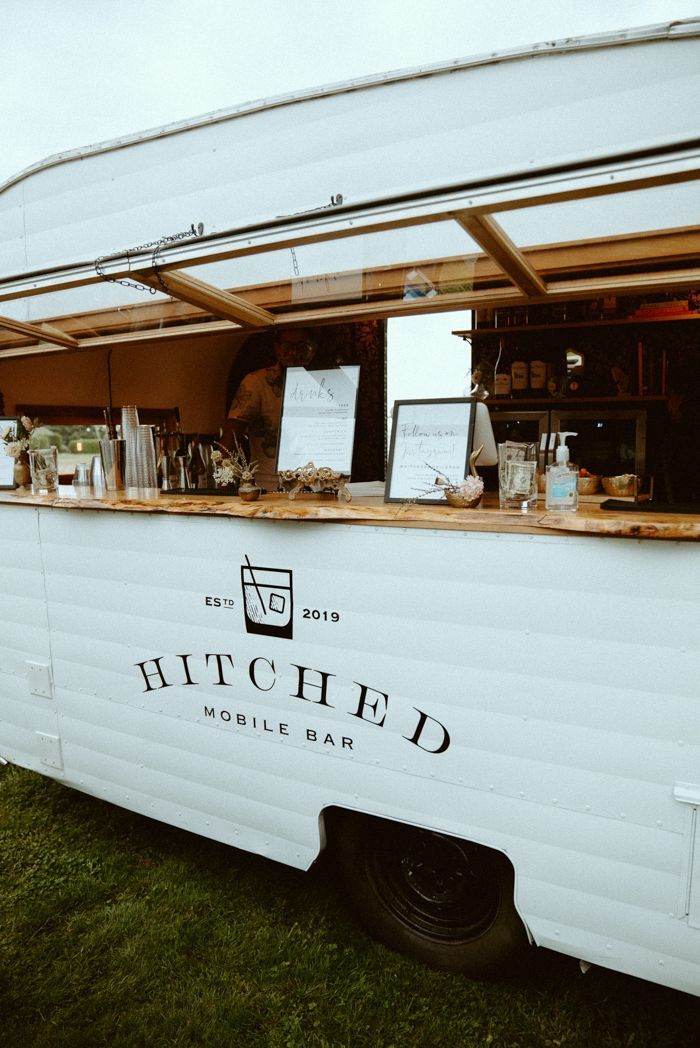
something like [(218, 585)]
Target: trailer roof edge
[(678, 29)]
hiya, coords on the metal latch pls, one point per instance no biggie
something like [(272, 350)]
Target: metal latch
[(50, 749), (39, 679)]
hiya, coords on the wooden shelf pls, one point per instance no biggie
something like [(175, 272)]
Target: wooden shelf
[(515, 402), (571, 324)]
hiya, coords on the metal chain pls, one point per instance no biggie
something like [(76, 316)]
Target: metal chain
[(157, 245), (295, 264)]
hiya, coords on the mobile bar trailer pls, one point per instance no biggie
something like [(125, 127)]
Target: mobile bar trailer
[(421, 703)]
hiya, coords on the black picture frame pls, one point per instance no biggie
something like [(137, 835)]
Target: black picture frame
[(429, 439)]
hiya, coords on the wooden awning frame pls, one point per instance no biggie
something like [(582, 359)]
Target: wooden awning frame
[(501, 273)]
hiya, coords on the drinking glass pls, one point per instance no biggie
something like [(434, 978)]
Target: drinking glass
[(517, 475), (113, 458), (44, 470), (81, 475), (96, 475)]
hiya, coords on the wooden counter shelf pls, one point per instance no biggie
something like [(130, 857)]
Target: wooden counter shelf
[(589, 520), (521, 329)]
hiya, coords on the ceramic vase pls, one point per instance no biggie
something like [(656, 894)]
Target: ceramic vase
[(21, 473)]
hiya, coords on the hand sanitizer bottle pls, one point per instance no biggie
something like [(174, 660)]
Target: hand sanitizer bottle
[(562, 480)]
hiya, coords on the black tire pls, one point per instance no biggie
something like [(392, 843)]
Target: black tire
[(445, 901)]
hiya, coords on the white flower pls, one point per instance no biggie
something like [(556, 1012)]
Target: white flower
[(223, 476), (230, 466), (14, 448), (470, 487)]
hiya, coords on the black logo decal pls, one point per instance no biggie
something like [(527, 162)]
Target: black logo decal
[(267, 600)]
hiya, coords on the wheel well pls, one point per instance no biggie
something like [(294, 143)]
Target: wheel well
[(447, 901), (334, 817)]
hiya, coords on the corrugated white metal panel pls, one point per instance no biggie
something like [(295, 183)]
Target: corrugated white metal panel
[(22, 717), (27, 718), (651, 962), (24, 629), (564, 669), (224, 797), (466, 123), (553, 688), (12, 237)]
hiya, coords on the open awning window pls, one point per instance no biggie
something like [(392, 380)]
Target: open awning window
[(562, 228)]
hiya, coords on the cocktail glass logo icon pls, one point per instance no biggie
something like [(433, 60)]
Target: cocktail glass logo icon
[(267, 600)]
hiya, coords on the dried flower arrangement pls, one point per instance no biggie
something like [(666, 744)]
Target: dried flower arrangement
[(17, 438), (232, 467), (464, 494)]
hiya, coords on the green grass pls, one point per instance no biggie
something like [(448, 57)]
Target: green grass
[(115, 930)]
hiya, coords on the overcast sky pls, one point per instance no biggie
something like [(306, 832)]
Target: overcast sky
[(77, 72)]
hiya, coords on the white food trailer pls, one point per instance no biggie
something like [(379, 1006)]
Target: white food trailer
[(493, 718)]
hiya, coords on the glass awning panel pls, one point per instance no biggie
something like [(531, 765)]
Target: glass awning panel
[(613, 214), (600, 242), (405, 263)]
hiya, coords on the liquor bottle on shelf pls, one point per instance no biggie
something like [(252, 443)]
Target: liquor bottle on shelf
[(538, 375), (519, 375), (576, 382), (502, 380), (557, 376)]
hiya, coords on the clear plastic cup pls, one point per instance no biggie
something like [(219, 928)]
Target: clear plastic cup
[(517, 475), (43, 466), (113, 459), (146, 468), (129, 430)]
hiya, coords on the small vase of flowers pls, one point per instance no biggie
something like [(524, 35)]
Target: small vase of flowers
[(17, 441), (233, 468)]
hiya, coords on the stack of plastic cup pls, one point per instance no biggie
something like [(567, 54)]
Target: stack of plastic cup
[(113, 459), (130, 424), (146, 468)]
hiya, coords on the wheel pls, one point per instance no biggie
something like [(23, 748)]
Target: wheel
[(445, 901)]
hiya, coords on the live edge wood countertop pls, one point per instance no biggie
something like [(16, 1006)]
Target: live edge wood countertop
[(588, 520)]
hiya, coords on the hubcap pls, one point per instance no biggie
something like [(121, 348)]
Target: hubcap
[(445, 890)]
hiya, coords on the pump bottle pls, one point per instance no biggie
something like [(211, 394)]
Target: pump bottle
[(562, 480)]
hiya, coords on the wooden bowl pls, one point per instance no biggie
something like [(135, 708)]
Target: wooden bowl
[(620, 487), (588, 485), (461, 502)]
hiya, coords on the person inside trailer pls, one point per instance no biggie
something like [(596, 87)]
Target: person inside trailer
[(257, 403)]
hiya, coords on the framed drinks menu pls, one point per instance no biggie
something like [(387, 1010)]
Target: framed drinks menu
[(430, 439), (318, 418)]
